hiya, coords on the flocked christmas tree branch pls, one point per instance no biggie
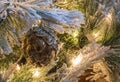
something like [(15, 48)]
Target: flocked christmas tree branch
[(17, 17), (86, 57)]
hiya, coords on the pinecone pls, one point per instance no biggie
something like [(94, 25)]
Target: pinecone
[(40, 45)]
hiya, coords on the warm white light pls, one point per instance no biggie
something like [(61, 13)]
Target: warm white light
[(39, 21), (108, 17), (1, 72), (35, 25), (65, 1), (77, 60), (75, 34), (17, 67), (36, 73), (96, 35)]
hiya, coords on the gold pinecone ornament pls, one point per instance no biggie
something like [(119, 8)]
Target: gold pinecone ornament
[(40, 45)]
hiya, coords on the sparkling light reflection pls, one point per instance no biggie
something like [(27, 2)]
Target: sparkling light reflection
[(77, 60)]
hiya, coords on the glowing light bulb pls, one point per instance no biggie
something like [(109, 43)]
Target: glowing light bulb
[(17, 67), (34, 25), (75, 34), (96, 35), (77, 60), (36, 73), (109, 17), (65, 1), (39, 21)]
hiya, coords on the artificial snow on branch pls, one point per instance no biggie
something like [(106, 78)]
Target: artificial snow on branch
[(18, 16), (86, 57)]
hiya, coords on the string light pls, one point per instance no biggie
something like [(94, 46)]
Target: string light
[(37, 24), (109, 17), (65, 1), (36, 73), (39, 21), (75, 33), (77, 60), (2, 72), (96, 35), (17, 67)]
